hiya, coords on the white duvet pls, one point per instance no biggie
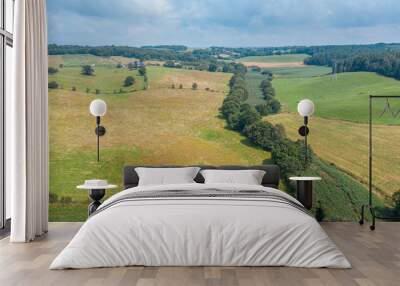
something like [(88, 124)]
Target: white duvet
[(200, 231)]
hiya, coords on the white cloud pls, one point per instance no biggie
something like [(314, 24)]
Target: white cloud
[(223, 22)]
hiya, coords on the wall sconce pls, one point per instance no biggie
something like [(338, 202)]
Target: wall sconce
[(98, 108), (305, 109)]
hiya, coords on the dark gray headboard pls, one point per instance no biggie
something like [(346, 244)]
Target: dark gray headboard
[(271, 177)]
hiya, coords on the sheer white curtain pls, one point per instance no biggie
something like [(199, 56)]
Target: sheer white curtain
[(26, 124)]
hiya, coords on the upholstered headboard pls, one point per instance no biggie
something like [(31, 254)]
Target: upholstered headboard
[(271, 177)]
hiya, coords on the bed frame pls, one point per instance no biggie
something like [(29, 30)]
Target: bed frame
[(270, 179)]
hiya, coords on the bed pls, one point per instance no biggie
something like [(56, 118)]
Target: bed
[(198, 224)]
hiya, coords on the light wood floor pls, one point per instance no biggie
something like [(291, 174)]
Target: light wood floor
[(375, 257)]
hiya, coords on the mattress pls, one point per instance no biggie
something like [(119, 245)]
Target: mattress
[(201, 225)]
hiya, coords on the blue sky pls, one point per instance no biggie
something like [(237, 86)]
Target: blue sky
[(223, 22)]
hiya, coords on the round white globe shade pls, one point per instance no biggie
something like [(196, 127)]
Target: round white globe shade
[(98, 107), (305, 107)]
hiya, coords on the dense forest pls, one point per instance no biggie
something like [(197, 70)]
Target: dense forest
[(383, 59)]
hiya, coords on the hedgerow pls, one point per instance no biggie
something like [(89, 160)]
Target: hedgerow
[(246, 119)]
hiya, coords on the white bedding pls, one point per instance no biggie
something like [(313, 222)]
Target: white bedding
[(200, 231)]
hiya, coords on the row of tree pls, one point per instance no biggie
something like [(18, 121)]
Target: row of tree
[(170, 52), (271, 105), (130, 52), (246, 119), (195, 86)]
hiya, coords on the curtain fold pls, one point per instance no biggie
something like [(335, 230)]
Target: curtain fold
[(27, 124)]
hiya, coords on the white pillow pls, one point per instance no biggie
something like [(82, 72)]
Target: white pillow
[(166, 176), (248, 177)]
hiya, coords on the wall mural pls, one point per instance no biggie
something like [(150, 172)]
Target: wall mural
[(179, 105)]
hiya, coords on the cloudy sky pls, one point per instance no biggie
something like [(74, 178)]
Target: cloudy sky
[(223, 22)]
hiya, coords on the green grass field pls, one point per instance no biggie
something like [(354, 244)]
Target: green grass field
[(107, 78), (338, 131), (275, 58), (300, 72), (342, 96), (338, 194), (253, 79), (165, 125), (159, 125), (345, 144), (80, 60)]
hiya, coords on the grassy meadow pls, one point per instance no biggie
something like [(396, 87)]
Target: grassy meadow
[(254, 78), (339, 130), (286, 58), (345, 144), (160, 125), (299, 72), (170, 123), (275, 61), (343, 96), (107, 79), (340, 193)]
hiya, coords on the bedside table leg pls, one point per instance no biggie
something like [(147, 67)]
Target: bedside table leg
[(96, 195), (93, 207), (305, 193)]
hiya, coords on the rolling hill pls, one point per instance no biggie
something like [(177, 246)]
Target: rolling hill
[(341, 192), (345, 144), (159, 125), (339, 130), (343, 96)]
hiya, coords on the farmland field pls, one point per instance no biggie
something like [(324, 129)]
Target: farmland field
[(107, 78), (346, 145), (276, 61), (253, 79), (170, 123), (287, 58), (343, 96), (299, 72), (340, 194), (341, 118), (160, 125)]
